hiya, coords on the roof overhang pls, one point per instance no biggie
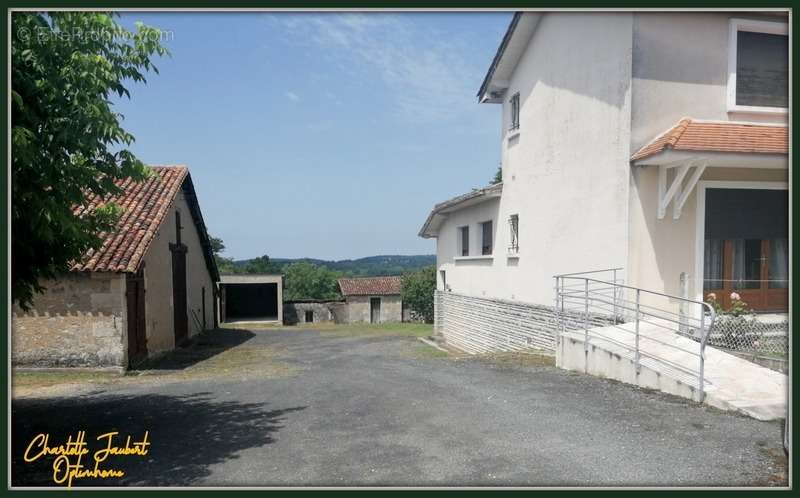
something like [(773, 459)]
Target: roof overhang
[(515, 41), (200, 225), (442, 210), (674, 158), (251, 278), (688, 167)]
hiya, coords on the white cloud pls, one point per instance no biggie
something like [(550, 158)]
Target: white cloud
[(430, 77), (292, 96)]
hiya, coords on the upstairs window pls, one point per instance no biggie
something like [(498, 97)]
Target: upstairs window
[(758, 79), (486, 238), (463, 241), (514, 107), (513, 226)]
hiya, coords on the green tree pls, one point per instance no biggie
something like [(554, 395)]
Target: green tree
[(225, 265), (309, 281), (417, 292), (261, 264), (66, 139), (217, 245), (498, 176)]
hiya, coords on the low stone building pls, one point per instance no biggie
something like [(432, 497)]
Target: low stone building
[(148, 288), (314, 311), (374, 299)]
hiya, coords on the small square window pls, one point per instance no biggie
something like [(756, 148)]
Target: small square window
[(514, 106)]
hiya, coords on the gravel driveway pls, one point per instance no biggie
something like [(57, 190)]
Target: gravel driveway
[(320, 408)]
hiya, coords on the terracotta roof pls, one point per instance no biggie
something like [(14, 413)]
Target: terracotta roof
[(693, 135), (367, 286), (145, 205)]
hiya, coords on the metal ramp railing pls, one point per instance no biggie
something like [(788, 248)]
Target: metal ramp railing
[(600, 306)]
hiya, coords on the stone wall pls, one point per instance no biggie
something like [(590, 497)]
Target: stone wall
[(294, 312), (78, 321), (481, 325), (358, 309)]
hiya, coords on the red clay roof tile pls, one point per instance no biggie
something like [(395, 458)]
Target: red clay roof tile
[(145, 205), (370, 286), (692, 135)]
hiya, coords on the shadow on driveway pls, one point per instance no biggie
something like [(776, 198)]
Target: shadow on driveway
[(188, 434), (199, 348)]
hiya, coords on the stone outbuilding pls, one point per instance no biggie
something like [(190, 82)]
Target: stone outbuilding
[(373, 299), (314, 311), (149, 287)]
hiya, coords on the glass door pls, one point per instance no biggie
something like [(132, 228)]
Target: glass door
[(756, 269), (747, 247)]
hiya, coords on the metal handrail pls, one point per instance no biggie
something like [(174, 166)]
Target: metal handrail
[(588, 272), (581, 295)]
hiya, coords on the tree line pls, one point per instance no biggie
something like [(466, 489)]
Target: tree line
[(306, 280)]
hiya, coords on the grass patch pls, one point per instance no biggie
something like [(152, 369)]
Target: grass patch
[(217, 354), (220, 354), (518, 359), (423, 351), (365, 329), (32, 379)]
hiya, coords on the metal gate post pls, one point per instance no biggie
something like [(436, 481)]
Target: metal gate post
[(586, 328), (558, 314), (701, 387), (636, 355), (614, 288)]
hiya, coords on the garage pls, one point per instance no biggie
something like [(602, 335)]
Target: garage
[(251, 298)]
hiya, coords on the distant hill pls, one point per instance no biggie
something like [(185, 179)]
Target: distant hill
[(371, 266)]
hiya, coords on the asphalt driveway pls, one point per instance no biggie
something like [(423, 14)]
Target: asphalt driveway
[(293, 407)]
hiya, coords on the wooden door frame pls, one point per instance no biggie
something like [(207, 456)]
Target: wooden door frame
[(136, 326), (700, 221), (371, 298), (183, 249)]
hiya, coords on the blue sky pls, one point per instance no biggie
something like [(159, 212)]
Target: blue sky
[(326, 135)]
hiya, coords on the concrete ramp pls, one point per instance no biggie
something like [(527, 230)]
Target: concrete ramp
[(667, 363)]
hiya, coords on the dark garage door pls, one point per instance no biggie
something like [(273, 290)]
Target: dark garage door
[(251, 301)]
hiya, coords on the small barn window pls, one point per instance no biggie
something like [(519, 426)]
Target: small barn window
[(309, 316)]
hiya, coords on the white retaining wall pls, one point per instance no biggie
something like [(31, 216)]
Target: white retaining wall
[(481, 325)]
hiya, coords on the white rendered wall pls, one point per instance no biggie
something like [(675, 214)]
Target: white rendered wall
[(566, 174)]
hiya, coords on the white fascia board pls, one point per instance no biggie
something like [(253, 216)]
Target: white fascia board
[(675, 158)]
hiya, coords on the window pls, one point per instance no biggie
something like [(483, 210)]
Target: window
[(514, 106), (758, 66), (309, 316), (513, 225), (486, 238), (746, 249), (463, 241)]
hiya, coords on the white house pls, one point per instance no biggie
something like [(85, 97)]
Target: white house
[(654, 142)]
